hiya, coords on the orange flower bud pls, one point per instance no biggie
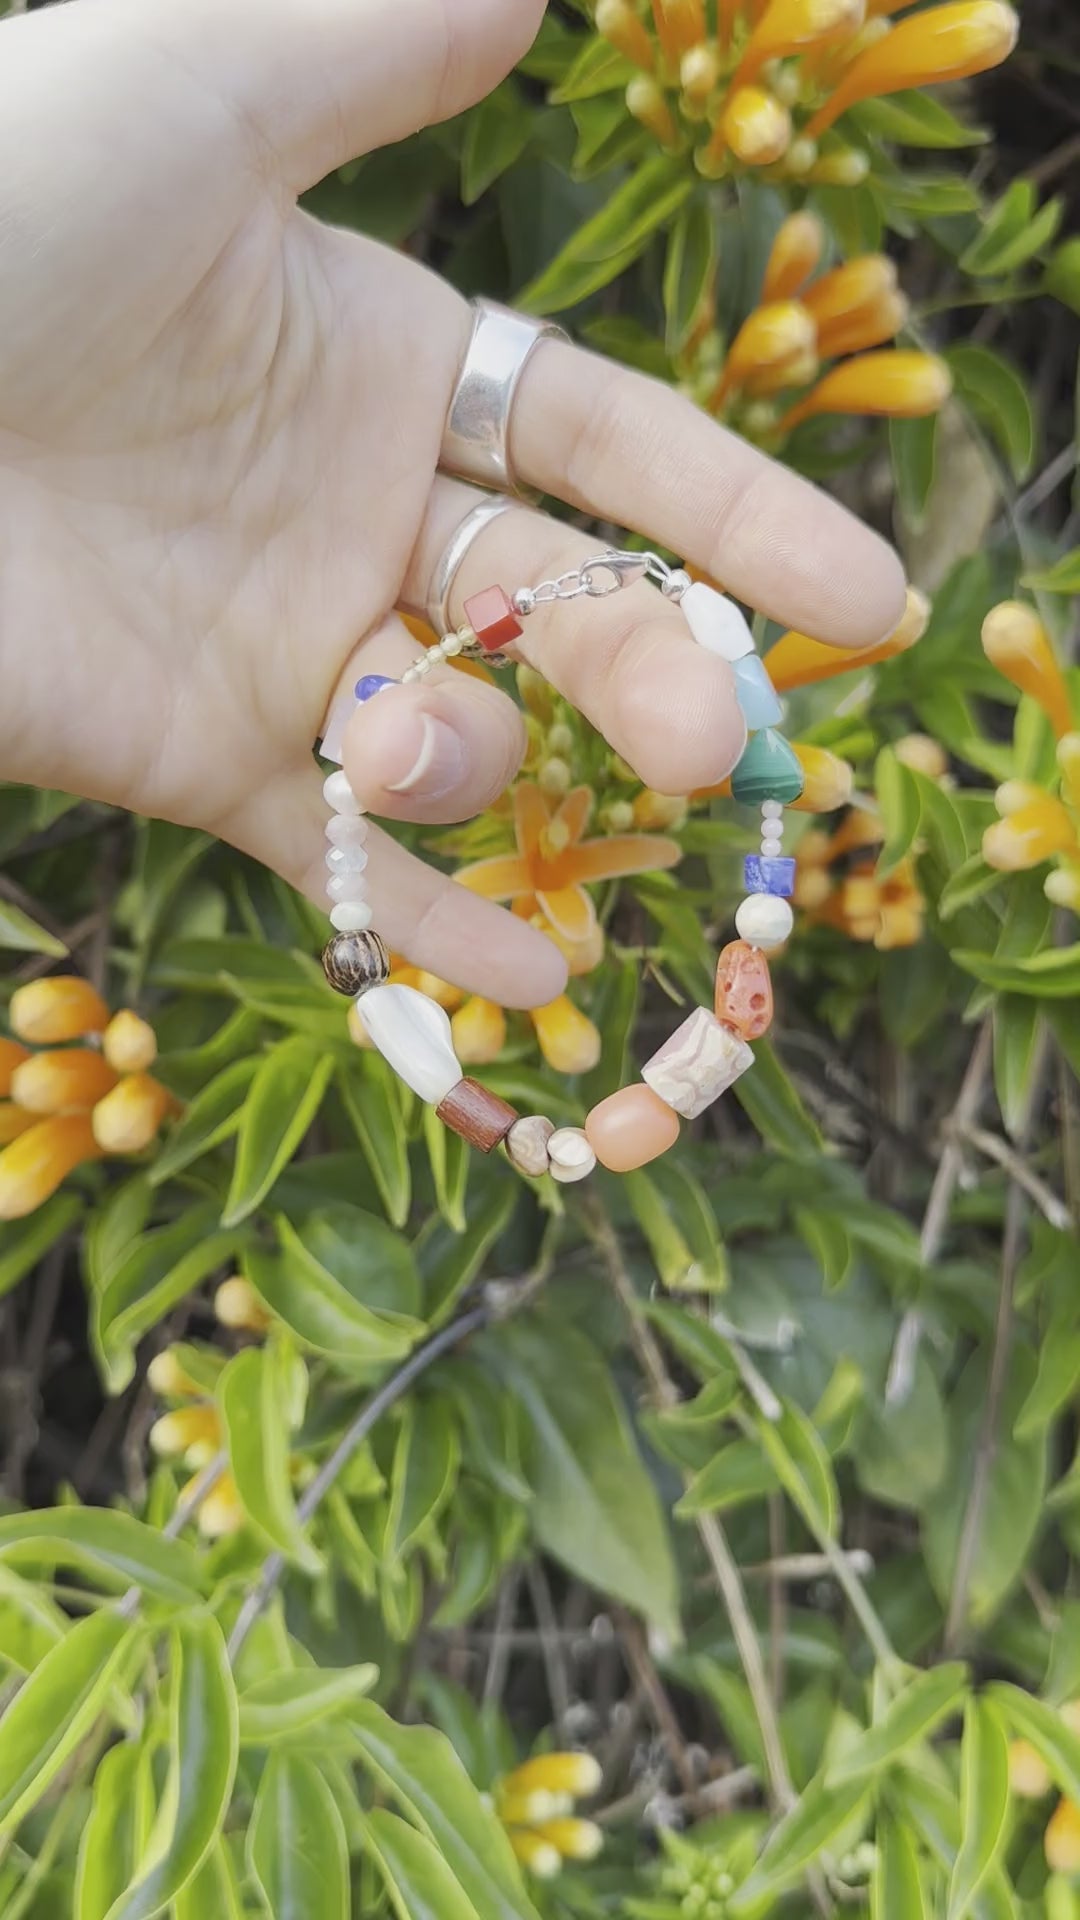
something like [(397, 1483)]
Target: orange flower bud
[(33, 1166), (479, 1030), (568, 1039), (1018, 645), (899, 385), (754, 125), (237, 1305), (844, 167), (828, 780), (128, 1043), (646, 101), (847, 289), (1061, 1841), (537, 1856), (872, 326), (573, 1839), (1029, 1775), (128, 1118), (860, 896), (796, 251), (944, 43), (1027, 838), (922, 754), (680, 24), (858, 829), (1068, 759), (789, 26), (812, 886), (657, 812), (356, 1029), (798, 661), (61, 1079), (796, 371), (900, 924), (1013, 795), (441, 991), (185, 1427), (11, 1056), (618, 21), (574, 1773), (60, 1008), (768, 337), (14, 1120)]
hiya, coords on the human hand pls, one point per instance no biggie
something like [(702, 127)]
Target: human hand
[(219, 432)]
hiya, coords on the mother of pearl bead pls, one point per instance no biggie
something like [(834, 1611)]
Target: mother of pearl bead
[(765, 920), (413, 1034)]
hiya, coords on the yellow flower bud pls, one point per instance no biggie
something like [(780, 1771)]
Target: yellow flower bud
[(1062, 887), (922, 754), (237, 1305), (165, 1376), (1029, 1775), (899, 385), (847, 289), (618, 22), (128, 1043), (944, 43), (872, 326), (185, 1427), (699, 71), (61, 1080), (844, 167), (221, 1512), (1068, 759), (795, 252), (798, 661), (796, 371), (770, 336), (127, 1119), (525, 1809), (828, 780), (800, 158), (555, 778), (754, 125), (479, 1030), (1013, 795), (789, 26), (355, 1027), (1061, 1841), (33, 1166), (60, 1008), (11, 1056), (573, 1839), (1027, 838), (14, 1120), (900, 924), (1018, 645), (570, 1043), (538, 696), (537, 1856), (574, 1773), (812, 887), (647, 102), (656, 812)]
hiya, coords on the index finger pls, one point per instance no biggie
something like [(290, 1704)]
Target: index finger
[(628, 449)]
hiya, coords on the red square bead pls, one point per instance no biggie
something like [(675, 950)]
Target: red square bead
[(492, 618)]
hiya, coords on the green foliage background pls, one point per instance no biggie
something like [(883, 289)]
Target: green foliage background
[(753, 1472)]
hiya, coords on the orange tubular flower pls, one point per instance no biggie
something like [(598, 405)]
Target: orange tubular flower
[(479, 1029), (846, 290), (1027, 838), (60, 1008), (127, 1119), (61, 1080), (872, 326), (754, 125), (128, 1043), (11, 1056), (900, 385), (828, 780), (796, 251), (769, 337), (554, 862), (1018, 645), (33, 1166), (619, 24), (798, 661), (788, 26), (945, 43), (680, 25), (568, 1039), (14, 1121)]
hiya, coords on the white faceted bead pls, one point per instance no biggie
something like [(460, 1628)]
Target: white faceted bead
[(346, 886), (352, 916), (772, 809), (570, 1155), (697, 1064), (765, 920), (414, 1035), (339, 795), (346, 830), (716, 623), (347, 859)]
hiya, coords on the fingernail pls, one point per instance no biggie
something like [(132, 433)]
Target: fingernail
[(438, 758)]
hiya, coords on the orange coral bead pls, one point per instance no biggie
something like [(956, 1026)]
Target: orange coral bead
[(630, 1128), (744, 995)]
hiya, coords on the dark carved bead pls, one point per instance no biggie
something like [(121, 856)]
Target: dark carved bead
[(353, 962)]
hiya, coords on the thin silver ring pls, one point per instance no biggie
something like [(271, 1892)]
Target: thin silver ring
[(474, 445), (449, 565)]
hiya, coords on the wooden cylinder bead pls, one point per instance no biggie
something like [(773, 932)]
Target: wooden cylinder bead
[(527, 1144), (478, 1115), (630, 1128), (353, 962)]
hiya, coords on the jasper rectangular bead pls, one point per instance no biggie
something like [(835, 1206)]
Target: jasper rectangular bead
[(697, 1064), (478, 1116)]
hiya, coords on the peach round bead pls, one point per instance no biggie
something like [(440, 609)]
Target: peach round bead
[(630, 1128)]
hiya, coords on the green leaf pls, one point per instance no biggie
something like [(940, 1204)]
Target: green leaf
[(998, 394), (911, 1715), (55, 1708), (213, 1893), (449, 1262), (27, 1241), (673, 1211), (901, 809), (30, 1623), (771, 1103), (427, 1456), (202, 1765), (253, 1395), (739, 1472), (369, 1090), (321, 1309), (915, 120), (417, 1879), (896, 1891), (704, 1351), (1055, 1380), (283, 1100), (689, 268), (1016, 1053), (298, 1701), (421, 1771), (213, 1115), (1048, 1733), (1062, 278), (20, 934), (599, 68), (1011, 232), (1062, 577), (116, 1829), (829, 1241), (670, 1251), (497, 131), (297, 1852), (611, 239), (913, 445), (156, 1271), (797, 1455), (819, 1814), (114, 1549), (594, 1508), (984, 1803)]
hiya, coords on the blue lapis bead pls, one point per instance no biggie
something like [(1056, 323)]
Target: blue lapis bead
[(769, 873), (755, 693), (371, 683)]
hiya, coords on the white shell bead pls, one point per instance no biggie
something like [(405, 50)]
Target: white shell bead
[(765, 920), (413, 1034), (570, 1155), (352, 916), (347, 859), (339, 795), (346, 830), (716, 623), (770, 846), (697, 1064), (772, 809), (346, 886)]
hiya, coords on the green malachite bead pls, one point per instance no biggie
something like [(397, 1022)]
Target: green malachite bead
[(769, 770)]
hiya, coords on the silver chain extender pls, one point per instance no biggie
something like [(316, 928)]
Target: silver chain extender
[(602, 574)]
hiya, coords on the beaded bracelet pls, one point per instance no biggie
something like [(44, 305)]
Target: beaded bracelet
[(710, 1050)]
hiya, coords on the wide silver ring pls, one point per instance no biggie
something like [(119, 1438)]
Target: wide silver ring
[(474, 444), (441, 585)]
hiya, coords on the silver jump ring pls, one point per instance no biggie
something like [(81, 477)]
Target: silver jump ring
[(474, 444), (437, 607)]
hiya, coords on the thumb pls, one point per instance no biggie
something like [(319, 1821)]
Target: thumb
[(321, 81)]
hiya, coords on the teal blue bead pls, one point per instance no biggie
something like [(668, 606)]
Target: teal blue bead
[(755, 693), (769, 770)]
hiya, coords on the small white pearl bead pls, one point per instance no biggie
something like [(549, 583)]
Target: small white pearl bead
[(339, 795), (770, 847), (347, 886), (570, 1155), (346, 859), (765, 920), (452, 644), (351, 916), (344, 830), (772, 809)]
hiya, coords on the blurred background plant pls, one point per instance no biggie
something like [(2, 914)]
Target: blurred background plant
[(381, 1532)]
